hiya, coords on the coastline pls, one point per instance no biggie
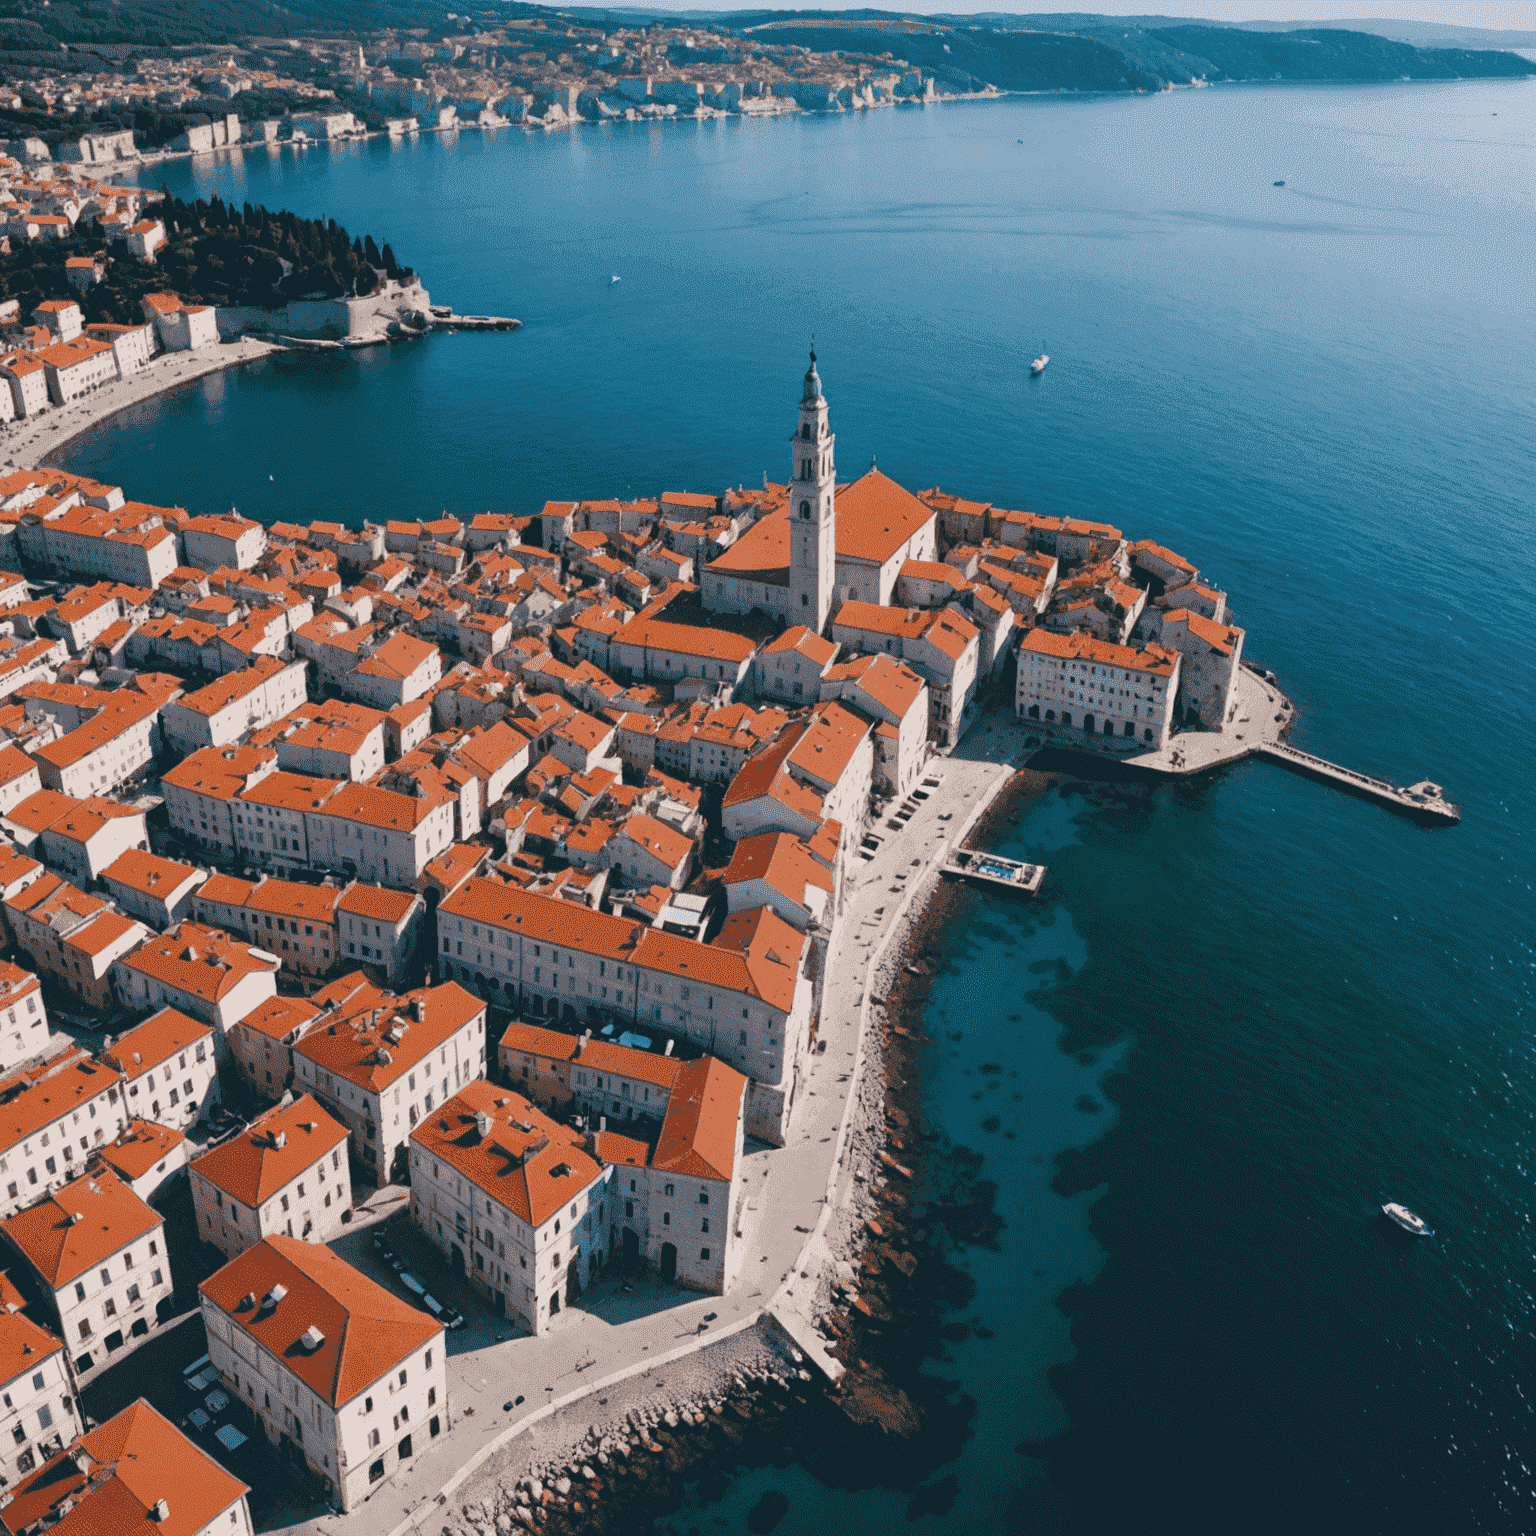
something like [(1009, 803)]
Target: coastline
[(32, 442), (880, 1295)]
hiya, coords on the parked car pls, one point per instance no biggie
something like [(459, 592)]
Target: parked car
[(384, 1251), (449, 1317), (412, 1284)]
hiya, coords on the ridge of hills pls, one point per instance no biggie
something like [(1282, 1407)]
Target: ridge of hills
[(1063, 51)]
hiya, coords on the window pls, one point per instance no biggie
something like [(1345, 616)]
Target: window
[(376, 1471), (704, 1253), (373, 1438)]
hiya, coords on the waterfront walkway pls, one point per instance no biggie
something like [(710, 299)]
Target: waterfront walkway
[(612, 1335), (23, 444)]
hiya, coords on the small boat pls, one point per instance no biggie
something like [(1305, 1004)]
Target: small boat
[(1401, 1216), (1038, 366), (1279, 183), (612, 280)]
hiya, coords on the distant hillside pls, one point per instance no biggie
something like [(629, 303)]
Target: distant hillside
[(31, 24), (1325, 53), (1103, 53)]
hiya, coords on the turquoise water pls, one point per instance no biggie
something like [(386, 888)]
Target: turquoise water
[(1288, 1005)]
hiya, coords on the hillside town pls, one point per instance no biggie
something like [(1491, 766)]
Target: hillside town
[(535, 72), (494, 864)]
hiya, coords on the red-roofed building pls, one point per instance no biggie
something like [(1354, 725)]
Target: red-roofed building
[(379, 1063), (76, 1101), (748, 996), (777, 870), (201, 791), (1212, 654), (200, 971), (146, 1156), (73, 936), (514, 1201), (896, 697), (23, 1018), (170, 1064), (791, 667), (650, 853), (362, 1371), (40, 1415), (136, 1475), (1075, 682), (239, 702), (157, 891), (287, 1172), (96, 1255), (377, 927), (262, 1043)]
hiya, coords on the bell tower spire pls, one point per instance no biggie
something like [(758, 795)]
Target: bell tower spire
[(812, 509)]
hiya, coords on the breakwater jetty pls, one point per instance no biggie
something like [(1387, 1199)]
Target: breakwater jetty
[(1423, 801), (445, 320)]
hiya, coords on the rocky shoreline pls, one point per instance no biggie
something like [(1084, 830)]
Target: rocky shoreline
[(890, 1303)]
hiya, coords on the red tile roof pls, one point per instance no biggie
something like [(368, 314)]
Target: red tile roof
[(67, 1233), (158, 1038), (698, 1135), (367, 1331), (251, 1167), (528, 1163), (113, 1479)]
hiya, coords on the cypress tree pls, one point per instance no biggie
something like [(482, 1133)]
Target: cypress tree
[(371, 253)]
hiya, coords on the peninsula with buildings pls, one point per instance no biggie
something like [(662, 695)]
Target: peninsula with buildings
[(421, 936), (95, 87)]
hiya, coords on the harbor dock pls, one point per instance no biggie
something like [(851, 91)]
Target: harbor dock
[(994, 870), (446, 320), (1423, 801)]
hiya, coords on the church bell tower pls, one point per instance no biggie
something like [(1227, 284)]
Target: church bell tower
[(812, 510)]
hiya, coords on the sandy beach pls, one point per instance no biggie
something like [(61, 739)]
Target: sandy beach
[(28, 443)]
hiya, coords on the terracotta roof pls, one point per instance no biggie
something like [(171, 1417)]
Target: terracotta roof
[(658, 839), (779, 859), (292, 791), (355, 1041), (201, 962), (1081, 646), (875, 517), (293, 898), (279, 1017), (398, 657), (132, 1462), (149, 874), (715, 644), (218, 772), (535, 1040), (383, 807), (67, 1233), (233, 685), (756, 960), (39, 811), (366, 1330), (828, 746), (1220, 637), (543, 919), (138, 1149), (806, 642), (157, 1039), (528, 1163), (698, 1135), (374, 901), (23, 1344), (32, 1100), (252, 1167)]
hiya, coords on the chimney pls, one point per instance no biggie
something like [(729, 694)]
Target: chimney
[(483, 1123), (280, 1139), (161, 1511), (312, 1338), (419, 1007)]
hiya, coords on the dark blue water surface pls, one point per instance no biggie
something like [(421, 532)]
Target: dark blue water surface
[(1249, 1010)]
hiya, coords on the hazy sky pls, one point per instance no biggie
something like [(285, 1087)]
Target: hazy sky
[(1516, 15)]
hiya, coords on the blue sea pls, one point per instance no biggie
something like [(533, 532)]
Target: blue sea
[(1247, 1010)]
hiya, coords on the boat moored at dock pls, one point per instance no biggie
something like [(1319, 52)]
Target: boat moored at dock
[(994, 870)]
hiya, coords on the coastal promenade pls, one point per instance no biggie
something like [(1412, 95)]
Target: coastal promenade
[(615, 1339), (26, 443)]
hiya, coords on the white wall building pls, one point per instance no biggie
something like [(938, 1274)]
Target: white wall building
[(335, 1368), (287, 1173)]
